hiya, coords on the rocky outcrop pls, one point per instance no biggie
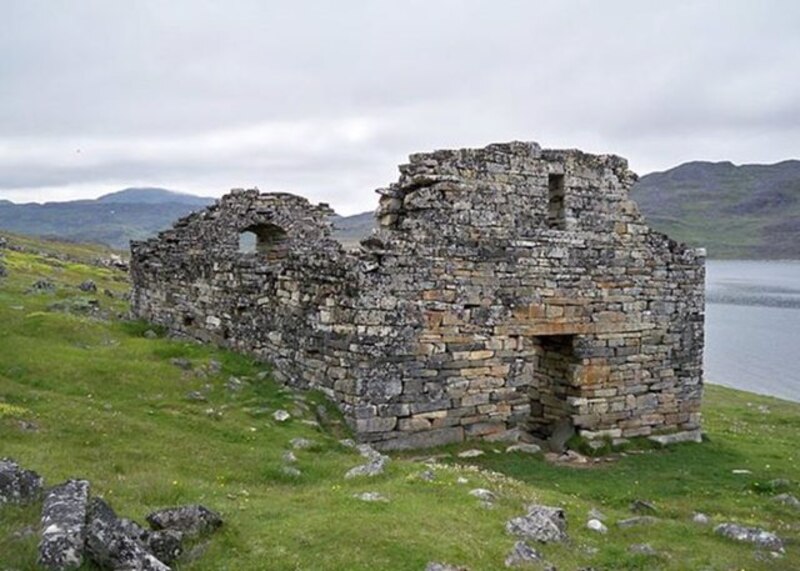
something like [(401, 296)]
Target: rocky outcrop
[(542, 523), (509, 288), (17, 485)]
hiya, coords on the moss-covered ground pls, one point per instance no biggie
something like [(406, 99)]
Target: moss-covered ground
[(84, 393)]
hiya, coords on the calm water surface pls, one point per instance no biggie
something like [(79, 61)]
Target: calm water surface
[(753, 326)]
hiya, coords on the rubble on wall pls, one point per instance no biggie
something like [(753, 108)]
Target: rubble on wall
[(508, 287)]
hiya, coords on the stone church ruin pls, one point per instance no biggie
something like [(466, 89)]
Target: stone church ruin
[(507, 289)]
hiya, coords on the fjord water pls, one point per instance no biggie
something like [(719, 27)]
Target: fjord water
[(753, 326)]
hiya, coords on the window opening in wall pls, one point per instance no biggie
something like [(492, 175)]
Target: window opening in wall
[(266, 239), (556, 217)]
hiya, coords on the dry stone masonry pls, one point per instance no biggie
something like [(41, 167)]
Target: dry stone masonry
[(506, 289)]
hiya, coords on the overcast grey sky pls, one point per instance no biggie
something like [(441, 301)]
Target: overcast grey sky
[(325, 98)]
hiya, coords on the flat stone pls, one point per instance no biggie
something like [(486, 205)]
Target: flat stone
[(473, 453), (371, 497), (434, 566), (678, 437), (375, 467), (757, 536), (638, 520), (181, 363), (642, 507), (301, 443), (17, 485), (701, 518), (541, 523), (63, 526), (525, 448)]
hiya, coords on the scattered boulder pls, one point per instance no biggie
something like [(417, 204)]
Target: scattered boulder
[(63, 526), (291, 471), (761, 538), (787, 500), (434, 566), (196, 396), (181, 363), (301, 443), (701, 518), (473, 453), (695, 436), (427, 475), (483, 494), (375, 466), (638, 520), (525, 448), (114, 544), (150, 334), (541, 523), (191, 520), (642, 507), (234, 384), (281, 415), (42, 286), (522, 554), (642, 549), (17, 485), (289, 457), (88, 286), (596, 525)]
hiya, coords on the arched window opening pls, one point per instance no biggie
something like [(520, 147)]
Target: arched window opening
[(263, 239)]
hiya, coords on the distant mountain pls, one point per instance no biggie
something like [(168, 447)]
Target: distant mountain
[(113, 219), (349, 230), (153, 196), (747, 211)]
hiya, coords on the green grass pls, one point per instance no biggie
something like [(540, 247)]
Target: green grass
[(110, 407)]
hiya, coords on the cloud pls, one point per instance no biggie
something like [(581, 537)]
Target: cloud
[(326, 98)]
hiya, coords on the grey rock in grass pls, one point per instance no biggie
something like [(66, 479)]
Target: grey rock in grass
[(88, 286), (541, 523), (150, 334), (787, 500), (525, 448), (17, 485), (642, 549), (375, 467), (642, 507), (483, 494), (42, 286), (196, 396), (291, 471), (434, 566), (118, 544), (281, 415), (234, 384), (637, 520), (181, 363), (301, 443), (191, 520), (472, 453), (427, 475), (63, 526), (522, 554), (759, 537), (596, 525), (701, 518)]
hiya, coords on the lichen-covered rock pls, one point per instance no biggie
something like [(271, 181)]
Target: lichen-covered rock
[(191, 520), (114, 544), (506, 288), (63, 526), (541, 523), (522, 554), (17, 485), (759, 537)]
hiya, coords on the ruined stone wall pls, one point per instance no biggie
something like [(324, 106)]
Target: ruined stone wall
[(508, 287)]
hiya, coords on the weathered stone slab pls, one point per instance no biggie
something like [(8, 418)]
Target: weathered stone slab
[(191, 520), (63, 526)]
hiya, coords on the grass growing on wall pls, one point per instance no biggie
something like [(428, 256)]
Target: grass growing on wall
[(83, 393)]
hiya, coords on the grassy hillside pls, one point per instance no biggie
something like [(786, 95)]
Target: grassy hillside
[(748, 211), (83, 393)]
